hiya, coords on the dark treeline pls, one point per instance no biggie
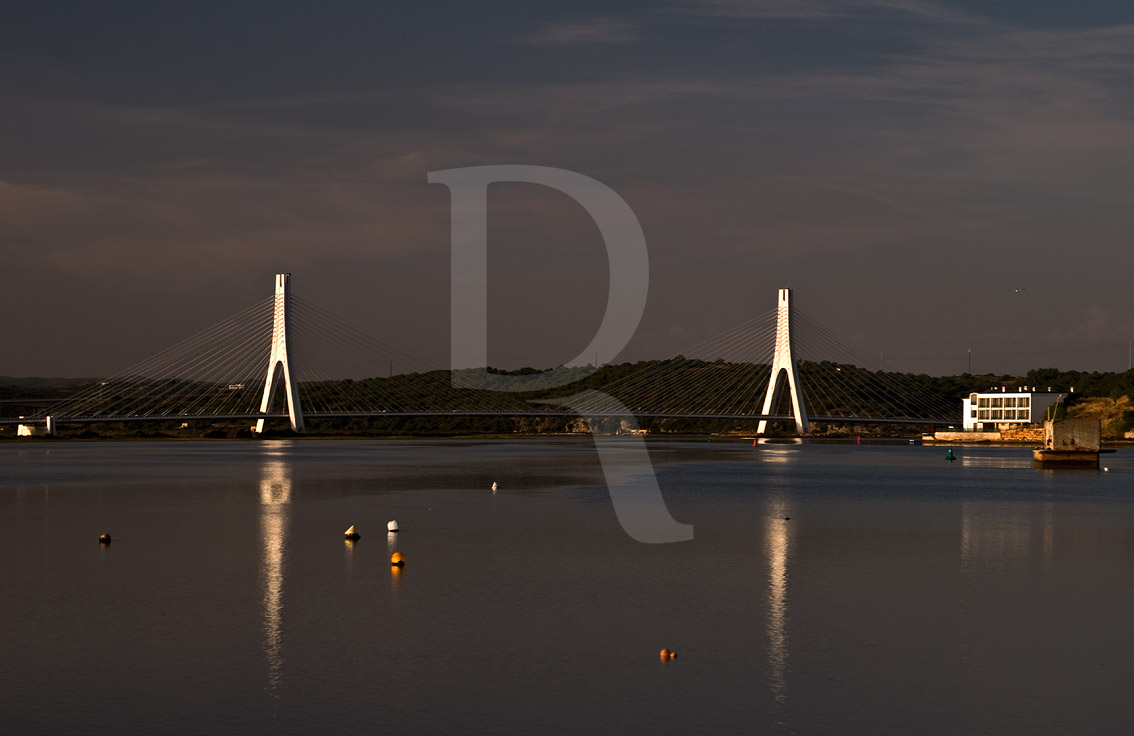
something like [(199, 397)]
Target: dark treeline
[(1086, 385), (739, 382)]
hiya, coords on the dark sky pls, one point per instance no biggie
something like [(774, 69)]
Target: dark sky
[(905, 167)]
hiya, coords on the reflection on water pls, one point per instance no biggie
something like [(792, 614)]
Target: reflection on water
[(348, 553), (275, 513), (395, 579), (993, 534), (395, 571), (997, 461), (773, 454), (776, 536), (999, 534), (921, 599), (779, 451), (1048, 531)]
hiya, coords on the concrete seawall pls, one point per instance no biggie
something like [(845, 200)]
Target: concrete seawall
[(1013, 435), (966, 436)]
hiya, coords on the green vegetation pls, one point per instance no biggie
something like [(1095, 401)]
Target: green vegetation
[(734, 387)]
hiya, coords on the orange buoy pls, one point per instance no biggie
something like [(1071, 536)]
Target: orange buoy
[(397, 560), (667, 655), (104, 539)]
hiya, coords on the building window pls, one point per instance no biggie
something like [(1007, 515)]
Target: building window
[(983, 414), (1025, 401), (984, 402), (997, 414)]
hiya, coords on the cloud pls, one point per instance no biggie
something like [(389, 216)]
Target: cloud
[(1094, 323), (592, 31), (822, 10), (888, 165)]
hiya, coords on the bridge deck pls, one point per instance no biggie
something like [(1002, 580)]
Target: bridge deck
[(470, 413)]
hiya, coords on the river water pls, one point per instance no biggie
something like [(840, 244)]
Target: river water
[(905, 594)]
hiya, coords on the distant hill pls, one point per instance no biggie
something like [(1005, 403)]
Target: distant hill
[(1106, 396), (39, 382), (12, 390)]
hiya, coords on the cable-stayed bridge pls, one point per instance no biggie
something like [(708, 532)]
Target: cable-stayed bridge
[(284, 358)]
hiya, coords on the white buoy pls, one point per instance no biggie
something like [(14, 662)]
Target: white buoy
[(392, 526), (1106, 470), (494, 486)]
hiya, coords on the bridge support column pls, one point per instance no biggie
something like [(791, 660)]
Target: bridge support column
[(50, 422), (783, 367), (278, 367)]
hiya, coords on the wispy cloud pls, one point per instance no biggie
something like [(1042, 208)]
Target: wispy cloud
[(901, 158), (822, 10), (1093, 323), (591, 31)]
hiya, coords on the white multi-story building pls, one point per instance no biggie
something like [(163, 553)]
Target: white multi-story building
[(1000, 409)]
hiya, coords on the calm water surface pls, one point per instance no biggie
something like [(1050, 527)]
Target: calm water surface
[(904, 595)]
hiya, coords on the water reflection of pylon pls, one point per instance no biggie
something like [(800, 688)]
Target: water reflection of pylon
[(275, 513), (777, 541)]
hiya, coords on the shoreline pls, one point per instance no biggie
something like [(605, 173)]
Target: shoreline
[(724, 438)]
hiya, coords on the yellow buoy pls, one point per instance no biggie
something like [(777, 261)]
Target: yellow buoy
[(397, 560), (351, 534)]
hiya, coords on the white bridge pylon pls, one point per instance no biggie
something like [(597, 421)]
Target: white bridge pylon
[(783, 366), (278, 368)]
